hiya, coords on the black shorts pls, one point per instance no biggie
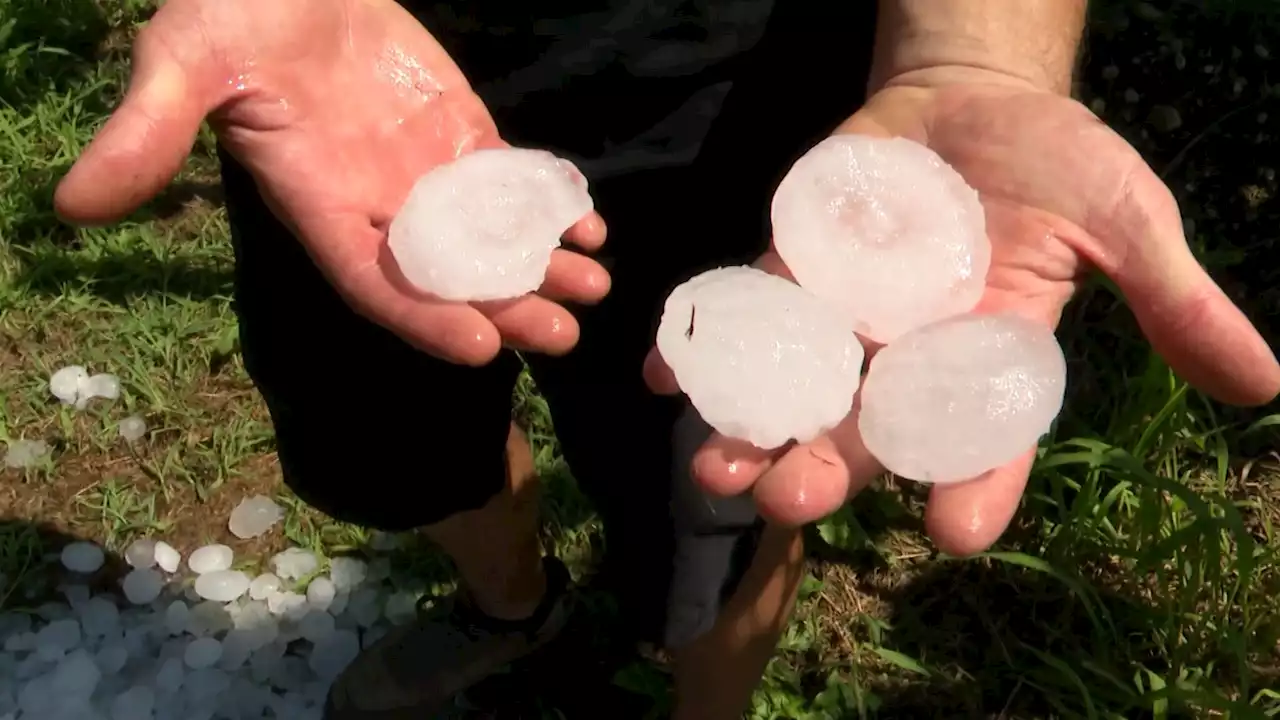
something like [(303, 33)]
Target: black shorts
[(374, 433)]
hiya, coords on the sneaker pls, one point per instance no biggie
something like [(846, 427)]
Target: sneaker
[(416, 670)]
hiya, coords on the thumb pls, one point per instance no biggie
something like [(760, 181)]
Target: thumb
[(144, 143), (1189, 320)]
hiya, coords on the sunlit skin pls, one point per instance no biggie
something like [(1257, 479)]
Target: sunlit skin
[(1064, 196), (335, 158)]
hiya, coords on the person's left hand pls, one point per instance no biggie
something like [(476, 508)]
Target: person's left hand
[(1063, 195)]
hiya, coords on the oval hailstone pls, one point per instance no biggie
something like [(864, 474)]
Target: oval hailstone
[(760, 358), (67, 382), (210, 558), (167, 557), (82, 557), (885, 230), (483, 226), (222, 585), (959, 397), (254, 516), (133, 428), (141, 553), (142, 585)]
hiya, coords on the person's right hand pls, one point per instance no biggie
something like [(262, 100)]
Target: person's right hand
[(336, 107)]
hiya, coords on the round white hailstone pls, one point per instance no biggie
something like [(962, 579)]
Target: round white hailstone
[(142, 585), (320, 593), (20, 454), (333, 653), (954, 399), (112, 657), (364, 607), (347, 572), (294, 563), (202, 653), (885, 230), (208, 618), (210, 558), (77, 675), (141, 553), (254, 516), (99, 617), (169, 676), (483, 227), (760, 358), (316, 626), (167, 558), (103, 385), (82, 557), (136, 703), (222, 585), (66, 383), (133, 428), (263, 585), (59, 635), (176, 617), (289, 605)]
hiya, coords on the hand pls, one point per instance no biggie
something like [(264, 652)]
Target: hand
[(1062, 193), (336, 107)]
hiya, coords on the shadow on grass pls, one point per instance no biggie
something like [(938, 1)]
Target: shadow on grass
[(121, 276), (46, 46)]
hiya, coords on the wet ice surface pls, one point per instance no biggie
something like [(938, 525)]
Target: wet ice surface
[(483, 226), (884, 230), (954, 399), (760, 358), (254, 516), (133, 428), (272, 652), (22, 454), (73, 385)]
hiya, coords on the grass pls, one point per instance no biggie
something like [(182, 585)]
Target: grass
[(1141, 579)]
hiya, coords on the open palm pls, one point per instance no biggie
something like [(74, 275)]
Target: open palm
[(336, 107), (1063, 194)]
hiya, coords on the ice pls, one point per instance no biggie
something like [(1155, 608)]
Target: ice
[(264, 585), (176, 616), (210, 558), (959, 397), (364, 607), (167, 558), (82, 557), (133, 428), (333, 653), (170, 675), (254, 516), (22, 454), (320, 593), (294, 564), (57, 638), (99, 617), (141, 553), (885, 230), (209, 618), (760, 358), (347, 573), (316, 626), (67, 383), (222, 585), (112, 657), (202, 653), (288, 604), (484, 226), (103, 385), (136, 703), (77, 675), (142, 585)]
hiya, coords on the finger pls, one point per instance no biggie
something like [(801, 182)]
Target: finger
[(658, 375), (352, 254), (532, 323), (813, 480), (726, 466), (575, 278), (146, 140), (589, 233), (968, 517)]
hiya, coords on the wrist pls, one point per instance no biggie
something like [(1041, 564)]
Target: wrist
[(1027, 43)]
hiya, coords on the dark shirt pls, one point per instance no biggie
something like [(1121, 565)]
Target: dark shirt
[(626, 85)]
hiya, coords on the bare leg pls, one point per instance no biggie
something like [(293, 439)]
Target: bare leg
[(716, 675), (496, 547)]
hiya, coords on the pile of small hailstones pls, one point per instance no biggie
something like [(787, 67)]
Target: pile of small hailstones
[(219, 645)]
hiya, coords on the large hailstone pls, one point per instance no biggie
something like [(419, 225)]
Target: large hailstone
[(483, 226), (885, 230), (959, 397), (760, 358)]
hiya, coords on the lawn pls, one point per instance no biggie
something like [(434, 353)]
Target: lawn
[(1141, 578)]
